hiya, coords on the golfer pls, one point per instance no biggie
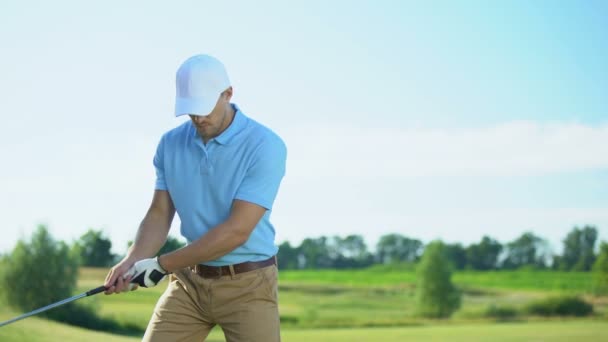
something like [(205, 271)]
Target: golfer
[(220, 171)]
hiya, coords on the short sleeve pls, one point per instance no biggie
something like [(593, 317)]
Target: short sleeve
[(263, 177), (159, 165)]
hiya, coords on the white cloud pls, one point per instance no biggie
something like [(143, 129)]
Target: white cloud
[(520, 148)]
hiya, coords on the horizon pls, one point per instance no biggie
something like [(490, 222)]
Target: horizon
[(371, 246)]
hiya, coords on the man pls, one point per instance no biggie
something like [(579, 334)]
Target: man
[(221, 172)]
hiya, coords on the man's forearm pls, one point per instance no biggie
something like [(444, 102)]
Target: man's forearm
[(151, 236), (219, 241)]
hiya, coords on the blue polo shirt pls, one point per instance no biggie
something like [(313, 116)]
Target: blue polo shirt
[(245, 162)]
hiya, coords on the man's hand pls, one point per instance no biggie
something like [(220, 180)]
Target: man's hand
[(118, 280), (146, 272)]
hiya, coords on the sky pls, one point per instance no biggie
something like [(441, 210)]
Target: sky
[(432, 119)]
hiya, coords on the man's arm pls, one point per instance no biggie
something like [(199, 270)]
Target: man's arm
[(220, 240), (153, 230), (151, 236)]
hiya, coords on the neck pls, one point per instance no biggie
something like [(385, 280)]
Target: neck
[(226, 121), (228, 118)]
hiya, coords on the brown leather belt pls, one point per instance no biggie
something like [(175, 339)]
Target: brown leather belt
[(206, 271)]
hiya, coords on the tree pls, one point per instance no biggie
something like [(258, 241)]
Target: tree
[(397, 248), (287, 256), (579, 247), (557, 262), (484, 255), (38, 272), (315, 253), (600, 271), (436, 295), (457, 256), (526, 250), (170, 245), (94, 249), (349, 252)]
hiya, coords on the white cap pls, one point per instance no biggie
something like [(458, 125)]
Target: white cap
[(199, 82)]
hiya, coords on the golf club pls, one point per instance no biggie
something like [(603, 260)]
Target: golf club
[(54, 305)]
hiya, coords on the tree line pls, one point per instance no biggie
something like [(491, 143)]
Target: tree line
[(94, 249), (526, 251)]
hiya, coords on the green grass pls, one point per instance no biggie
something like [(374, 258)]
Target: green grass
[(358, 305), (355, 278), (301, 306), (133, 307), (554, 281), (543, 331), (547, 281), (334, 299), (38, 330)]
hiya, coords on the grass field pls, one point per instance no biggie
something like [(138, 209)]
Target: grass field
[(554, 281), (334, 299), (38, 330), (359, 305)]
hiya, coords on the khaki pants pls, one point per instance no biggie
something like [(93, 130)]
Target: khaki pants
[(244, 305)]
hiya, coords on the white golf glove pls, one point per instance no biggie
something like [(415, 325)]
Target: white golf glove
[(146, 272)]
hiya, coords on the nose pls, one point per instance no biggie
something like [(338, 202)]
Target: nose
[(198, 119)]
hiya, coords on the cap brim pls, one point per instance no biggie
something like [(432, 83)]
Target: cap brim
[(194, 106)]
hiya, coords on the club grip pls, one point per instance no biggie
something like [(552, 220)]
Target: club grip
[(96, 290)]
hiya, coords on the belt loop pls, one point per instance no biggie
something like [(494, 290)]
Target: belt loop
[(232, 273)]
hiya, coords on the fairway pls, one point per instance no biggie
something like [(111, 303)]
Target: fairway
[(553, 331), (546, 281), (38, 330)]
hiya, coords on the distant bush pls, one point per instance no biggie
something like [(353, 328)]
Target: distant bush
[(600, 271), (44, 271), (94, 249), (289, 319), (560, 306), (38, 272), (503, 313), (85, 316), (436, 296)]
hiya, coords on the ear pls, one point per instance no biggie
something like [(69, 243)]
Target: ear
[(228, 93)]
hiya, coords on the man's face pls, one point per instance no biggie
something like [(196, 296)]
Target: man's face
[(211, 125)]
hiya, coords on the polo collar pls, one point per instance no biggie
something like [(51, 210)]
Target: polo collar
[(238, 123)]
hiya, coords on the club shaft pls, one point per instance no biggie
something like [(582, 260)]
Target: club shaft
[(48, 307)]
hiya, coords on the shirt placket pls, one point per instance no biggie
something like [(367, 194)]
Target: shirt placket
[(206, 165)]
